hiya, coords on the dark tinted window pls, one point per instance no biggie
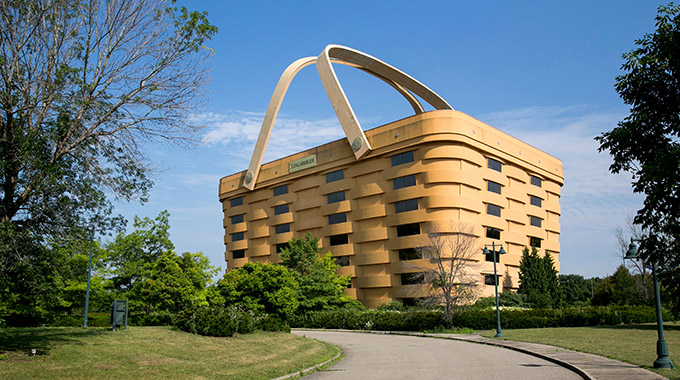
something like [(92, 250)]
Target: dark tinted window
[(335, 176), (407, 205), (282, 228), (410, 254), (238, 254), (494, 164), (489, 257), (281, 209), (534, 242), (406, 181), (337, 218), (536, 201), (534, 221), (339, 239), (536, 181), (493, 209), (237, 236), (280, 247), (493, 187), (493, 233), (488, 279), (412, 278), (402, 158), (408, 229), (279, 190), (236, 201), (236, 219), (335, 197), (343, 261)]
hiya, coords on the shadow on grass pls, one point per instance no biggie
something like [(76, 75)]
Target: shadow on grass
[(43, 339), (652, 326)]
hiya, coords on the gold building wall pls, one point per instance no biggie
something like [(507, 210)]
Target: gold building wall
[(451, 152)]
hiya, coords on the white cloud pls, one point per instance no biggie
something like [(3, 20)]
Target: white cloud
[(238, 131)]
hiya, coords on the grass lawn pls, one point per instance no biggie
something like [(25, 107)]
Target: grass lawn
[(634, 344), (152, 353)]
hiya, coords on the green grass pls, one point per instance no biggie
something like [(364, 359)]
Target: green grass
[(153, 353), (635, 344)]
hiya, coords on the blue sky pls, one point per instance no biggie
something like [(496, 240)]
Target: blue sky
[(540, 71)]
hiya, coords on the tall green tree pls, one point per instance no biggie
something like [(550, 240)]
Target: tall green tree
[(646, 142), (262, 288), (618, 289), (576, 289), (320, 287), (538, 279)]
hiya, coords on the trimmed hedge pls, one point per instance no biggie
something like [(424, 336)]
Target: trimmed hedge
[(420, 320), (223, 322)]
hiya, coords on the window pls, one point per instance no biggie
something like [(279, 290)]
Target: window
[(402, 158), (280, 247), (282, 228), (407, 205), (493, 187), (534, 242), (343, 261), (237, 236), (406, 181), (489, 257), (408, 229), (534, 221), (536, 181), (280, 190), (493, 210), (410, 254), (488, 279), (338, 196), (493, 233), (412, 278), (281, 209), (494, 164), (339, 239), (236, 201), (238, 254), (536, 201), (337, 218), (335, 176), (236, 219)]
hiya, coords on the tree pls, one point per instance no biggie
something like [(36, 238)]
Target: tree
[(640, 266), (449, 250), (320, 287), (262, 288), (646, 143), (538, 279), (82, 85), (618, 289), (576, 289)]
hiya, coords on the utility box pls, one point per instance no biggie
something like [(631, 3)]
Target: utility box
[(119, 314)]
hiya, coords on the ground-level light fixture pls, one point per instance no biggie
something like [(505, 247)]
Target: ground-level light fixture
[(501, 251), (662, 360)]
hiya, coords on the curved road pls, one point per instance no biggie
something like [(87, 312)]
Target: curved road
[(393, 357)]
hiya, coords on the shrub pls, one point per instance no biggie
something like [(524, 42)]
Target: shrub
[(225, 321)]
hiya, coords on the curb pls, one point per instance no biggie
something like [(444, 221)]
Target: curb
[(313, 368), (580, 371)]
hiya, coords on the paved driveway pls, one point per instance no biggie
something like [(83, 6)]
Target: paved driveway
[(394, 357)]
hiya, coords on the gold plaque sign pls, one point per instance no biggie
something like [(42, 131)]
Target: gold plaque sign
[(302, 163)]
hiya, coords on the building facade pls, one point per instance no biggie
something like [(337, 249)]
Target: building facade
[(373, 197), (436, 167)]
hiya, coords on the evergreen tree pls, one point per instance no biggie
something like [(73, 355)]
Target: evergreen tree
[(538, 279)]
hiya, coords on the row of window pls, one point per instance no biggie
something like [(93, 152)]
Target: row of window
[(498, 166), (419, 278)]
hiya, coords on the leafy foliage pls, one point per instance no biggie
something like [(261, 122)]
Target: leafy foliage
[(646, 142), (320, 287), (538, 279), (261, 288), (576, 289), (619, 289)]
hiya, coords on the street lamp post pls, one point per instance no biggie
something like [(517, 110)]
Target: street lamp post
[(501, 251), (662, 360), (89, 273)]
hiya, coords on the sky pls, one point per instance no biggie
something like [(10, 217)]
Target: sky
[(541, 71)]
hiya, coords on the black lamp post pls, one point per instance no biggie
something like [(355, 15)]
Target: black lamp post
[(662, 360), (501, 251)]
